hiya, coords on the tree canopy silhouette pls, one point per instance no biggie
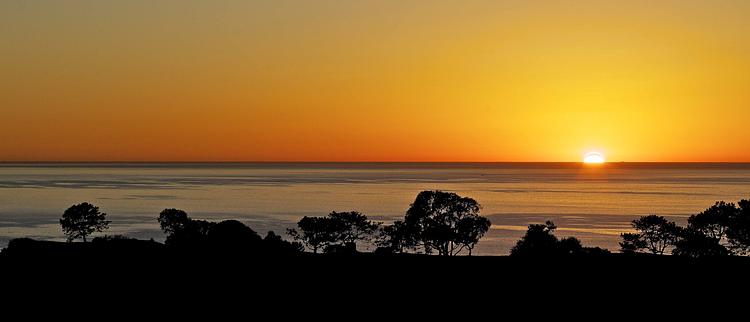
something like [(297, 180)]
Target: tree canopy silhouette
[(714, 221), (738, 232), (727, 224), (335, 231), (225, 236), (81, 220), (654, 234), (181, 230), (706, 233), (351, 227), (722, 229), (696, 243), (441, 221), (540, 241), (631, 243), (397, 237), (470, 230), (172, 220), (314, 232)]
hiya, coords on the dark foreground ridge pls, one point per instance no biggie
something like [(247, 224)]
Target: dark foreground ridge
[(428, 253), (137, 273), (131, 267)]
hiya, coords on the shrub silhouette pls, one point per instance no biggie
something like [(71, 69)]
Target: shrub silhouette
[(233, 235), (181, 230), (441, 221), (110, 238), (338, 232), (344, 249), (274, 244), (195, 233), (81, 220), (172, 220), (225, 236), (540, 241), (654, 234)]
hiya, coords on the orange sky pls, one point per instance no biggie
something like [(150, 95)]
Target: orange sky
[(374, 80)]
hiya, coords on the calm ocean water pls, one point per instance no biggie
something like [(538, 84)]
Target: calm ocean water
[(594, 203)]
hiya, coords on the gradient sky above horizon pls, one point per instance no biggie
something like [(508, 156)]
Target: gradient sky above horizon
[(374, 80)]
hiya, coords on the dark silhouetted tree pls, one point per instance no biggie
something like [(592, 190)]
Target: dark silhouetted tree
[(445, 222), (695, 243), (172, 220), (470, 230), (728, 224), (714, 221), (539, 240), (738, 232), (397, 238), (181, 230), (351, 227), (706, 232), (314, 232), (334, 233), (80, 221), (194, 233), (654, 234), (570, 246), (631, 243)]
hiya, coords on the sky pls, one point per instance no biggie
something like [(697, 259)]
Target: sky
[(384, 80)]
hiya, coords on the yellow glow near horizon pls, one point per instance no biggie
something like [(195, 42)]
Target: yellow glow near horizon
[(593, 158), (374, 80)]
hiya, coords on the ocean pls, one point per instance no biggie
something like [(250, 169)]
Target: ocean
[(592, 202)]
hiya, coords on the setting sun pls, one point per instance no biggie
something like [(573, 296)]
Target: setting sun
[(593, 157)]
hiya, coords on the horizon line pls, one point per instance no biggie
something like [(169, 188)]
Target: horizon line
[(334, 162)]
